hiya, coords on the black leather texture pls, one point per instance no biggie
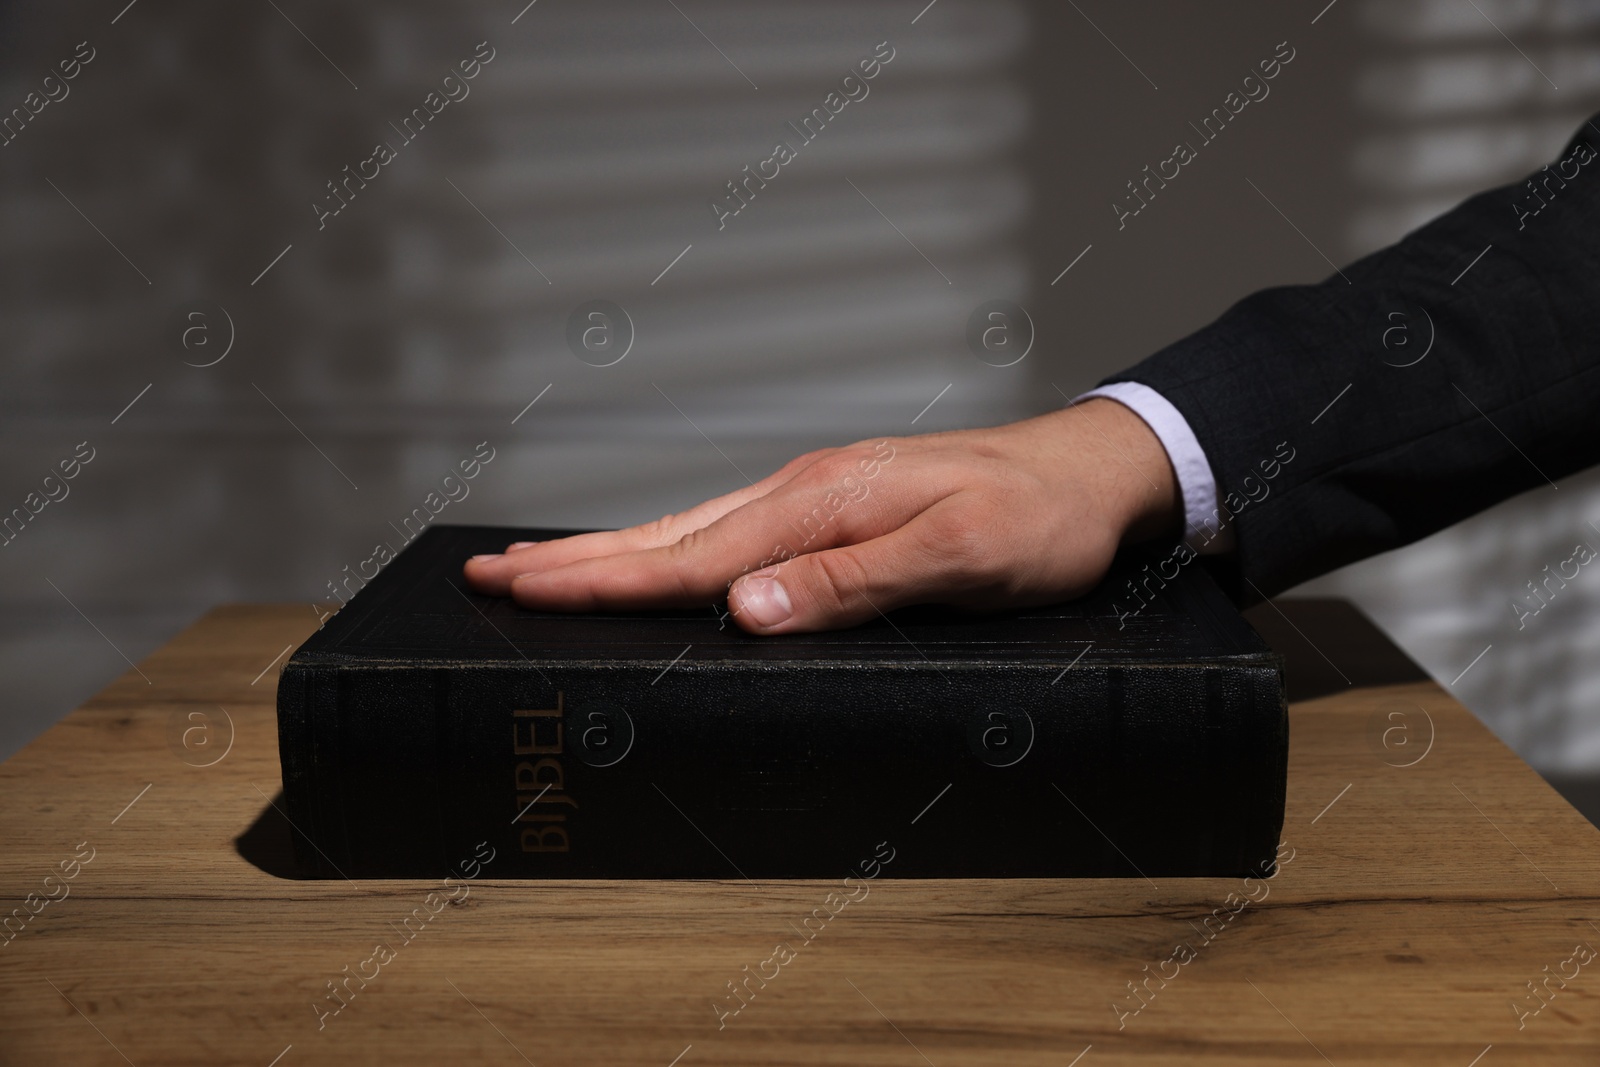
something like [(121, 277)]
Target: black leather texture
[(1081, 739)]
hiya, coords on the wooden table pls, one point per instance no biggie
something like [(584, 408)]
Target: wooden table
[(1434, 876)]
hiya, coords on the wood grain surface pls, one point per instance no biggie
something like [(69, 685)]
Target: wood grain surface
[(1433, 877)]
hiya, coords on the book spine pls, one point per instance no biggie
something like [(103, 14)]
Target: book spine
[(308, 710), (785, 770)]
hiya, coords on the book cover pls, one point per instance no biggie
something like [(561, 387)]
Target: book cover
[(1080, 739)]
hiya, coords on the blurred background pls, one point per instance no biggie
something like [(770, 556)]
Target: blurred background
[(269, 388)]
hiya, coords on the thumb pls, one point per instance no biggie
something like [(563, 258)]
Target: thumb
[(842, 586)]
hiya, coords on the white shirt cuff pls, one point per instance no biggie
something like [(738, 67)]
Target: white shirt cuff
[(1208, 529)]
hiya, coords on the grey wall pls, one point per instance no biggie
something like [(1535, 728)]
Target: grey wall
[(432, 309)]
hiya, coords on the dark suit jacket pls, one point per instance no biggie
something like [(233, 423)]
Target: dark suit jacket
[(1506, 398)]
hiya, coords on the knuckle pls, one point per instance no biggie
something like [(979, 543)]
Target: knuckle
[(800, 463), (829, 468), (843, 579), (845, 466), (662, 531), (687, 546)]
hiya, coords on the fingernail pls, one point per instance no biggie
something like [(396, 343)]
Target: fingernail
[(519, 544), (763, 599), (480, 559)]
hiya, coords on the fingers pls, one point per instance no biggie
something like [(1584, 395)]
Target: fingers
[(493, 574), (851, 584), (807, 514)]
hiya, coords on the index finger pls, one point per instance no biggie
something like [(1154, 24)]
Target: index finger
[(493, 574), (807, 514)]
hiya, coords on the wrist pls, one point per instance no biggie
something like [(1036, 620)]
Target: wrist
[(1114, 455)]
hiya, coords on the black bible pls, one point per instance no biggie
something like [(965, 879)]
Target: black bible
[(1141, 731)]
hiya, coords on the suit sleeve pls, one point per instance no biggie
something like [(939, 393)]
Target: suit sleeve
[(1417, 386)]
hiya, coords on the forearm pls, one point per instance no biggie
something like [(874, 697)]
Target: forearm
[(1389, 445)]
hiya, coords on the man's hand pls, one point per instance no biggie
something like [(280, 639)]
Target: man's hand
[(1027, 513)]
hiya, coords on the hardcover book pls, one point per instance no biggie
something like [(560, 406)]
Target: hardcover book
[(1112, 736)]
